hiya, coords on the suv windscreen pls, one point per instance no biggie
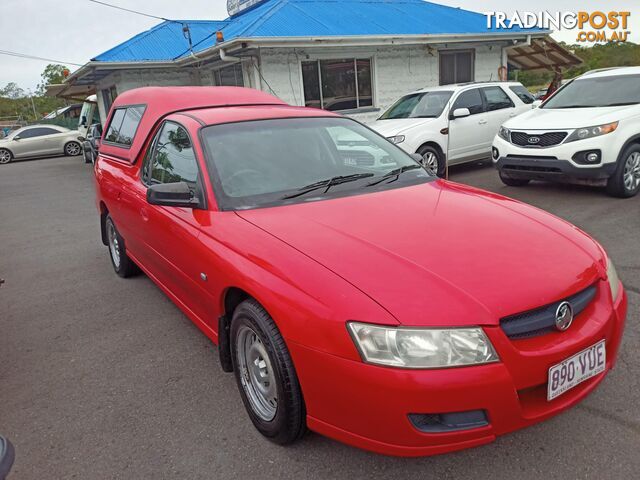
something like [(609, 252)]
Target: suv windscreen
[(609, 91), (281, 161), (419, 105)]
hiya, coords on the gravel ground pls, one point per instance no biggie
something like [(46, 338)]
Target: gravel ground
[(105, 378)]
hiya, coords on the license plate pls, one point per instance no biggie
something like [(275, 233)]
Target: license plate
[(575, 370)]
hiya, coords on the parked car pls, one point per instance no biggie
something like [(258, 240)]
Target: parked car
[(91, 143), (588, 132), (39, 141), (312, 276), (453, 123), (7, 456)]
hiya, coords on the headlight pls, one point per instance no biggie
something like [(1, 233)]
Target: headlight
[(422, 348), (614, 281), (397, 139), (590, 132), (505, 134)]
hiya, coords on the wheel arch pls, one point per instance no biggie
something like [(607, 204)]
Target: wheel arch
[(231, 298), (634, 140), (104, 211), (8, 150), (434, 144)]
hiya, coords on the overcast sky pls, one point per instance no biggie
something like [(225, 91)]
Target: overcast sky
[(77, 30)]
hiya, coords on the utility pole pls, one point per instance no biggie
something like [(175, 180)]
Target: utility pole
[(33, 105)]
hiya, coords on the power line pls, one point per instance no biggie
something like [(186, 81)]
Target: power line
[(33, 57), (133, 11)]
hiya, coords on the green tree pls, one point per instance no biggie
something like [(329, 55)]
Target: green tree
[(53, 74), (12, 91)]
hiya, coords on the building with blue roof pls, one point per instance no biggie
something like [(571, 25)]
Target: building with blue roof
[(352, 56)]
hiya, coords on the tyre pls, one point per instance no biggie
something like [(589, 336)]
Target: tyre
[(122, 264), (625, 181), (432, 160), (5, 156), (87, 153), (265, 375), (72, 149), (513, 182)]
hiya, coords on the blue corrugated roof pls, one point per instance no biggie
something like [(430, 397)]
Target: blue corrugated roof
[(305, 18)]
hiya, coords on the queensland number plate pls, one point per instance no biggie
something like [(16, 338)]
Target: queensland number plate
[(575, 370)]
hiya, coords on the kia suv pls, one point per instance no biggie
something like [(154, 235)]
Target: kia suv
[(588, 132), (452, 124)]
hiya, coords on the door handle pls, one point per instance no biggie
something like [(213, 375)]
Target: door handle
[(482, 122)]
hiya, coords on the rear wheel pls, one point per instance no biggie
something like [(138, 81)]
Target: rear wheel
[(72, 149), (122, 264), (513, 182), (5, 156), (625, 181), (432, 160), (265, 375)]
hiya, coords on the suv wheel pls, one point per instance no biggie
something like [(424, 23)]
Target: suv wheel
[(625, 181), (432, 161), (265, 375), (513, 182)]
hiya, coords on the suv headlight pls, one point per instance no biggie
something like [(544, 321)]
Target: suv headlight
[(397, 139), (422, 348), (505, 134), (614, 281), (590, 132)]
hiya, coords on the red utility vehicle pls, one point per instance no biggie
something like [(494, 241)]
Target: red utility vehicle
[(350, 291)]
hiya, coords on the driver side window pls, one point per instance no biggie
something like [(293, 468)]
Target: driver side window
[(171, 159)]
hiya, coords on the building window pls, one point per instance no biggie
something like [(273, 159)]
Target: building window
[(230, 76), (456, 67), (108, 97), (337, 84)]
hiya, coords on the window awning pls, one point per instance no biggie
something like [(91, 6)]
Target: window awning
[(543, 54)]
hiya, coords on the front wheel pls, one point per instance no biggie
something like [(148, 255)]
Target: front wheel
[(5, 156), (72, 149), (432, 160), (513, 182), (625, 181), (265, 375)]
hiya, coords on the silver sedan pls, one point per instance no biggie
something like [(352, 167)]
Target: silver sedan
[(39, 141)]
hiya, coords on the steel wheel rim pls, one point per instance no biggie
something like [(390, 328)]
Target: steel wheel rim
[(114, 244), (430, 163), (632, 172), (73, 149), (5, 157), (256, 374)]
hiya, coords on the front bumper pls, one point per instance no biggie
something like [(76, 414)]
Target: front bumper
[(554, 163), (367, 406)]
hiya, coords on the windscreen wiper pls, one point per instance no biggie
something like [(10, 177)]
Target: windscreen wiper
[(327, 184), (394, 173)]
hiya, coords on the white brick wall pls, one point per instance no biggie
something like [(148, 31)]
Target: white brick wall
[(397, 70)]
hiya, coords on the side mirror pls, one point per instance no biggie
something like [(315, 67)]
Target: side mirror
[(173, 195), (461, 113), (81, 138), (17, 137)]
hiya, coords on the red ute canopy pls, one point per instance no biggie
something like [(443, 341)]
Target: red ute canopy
[(162, 101)]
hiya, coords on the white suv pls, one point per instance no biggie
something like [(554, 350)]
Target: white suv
[(587, 132), (452, 123)]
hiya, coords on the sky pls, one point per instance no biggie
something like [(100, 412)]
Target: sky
[(74, 31)]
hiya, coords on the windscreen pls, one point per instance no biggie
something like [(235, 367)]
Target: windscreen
[(609, 91), (280, 161), (419, 105)]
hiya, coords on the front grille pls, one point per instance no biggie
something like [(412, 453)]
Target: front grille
[(357, 158), (531, 168), (543, 320), (542, 140)]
